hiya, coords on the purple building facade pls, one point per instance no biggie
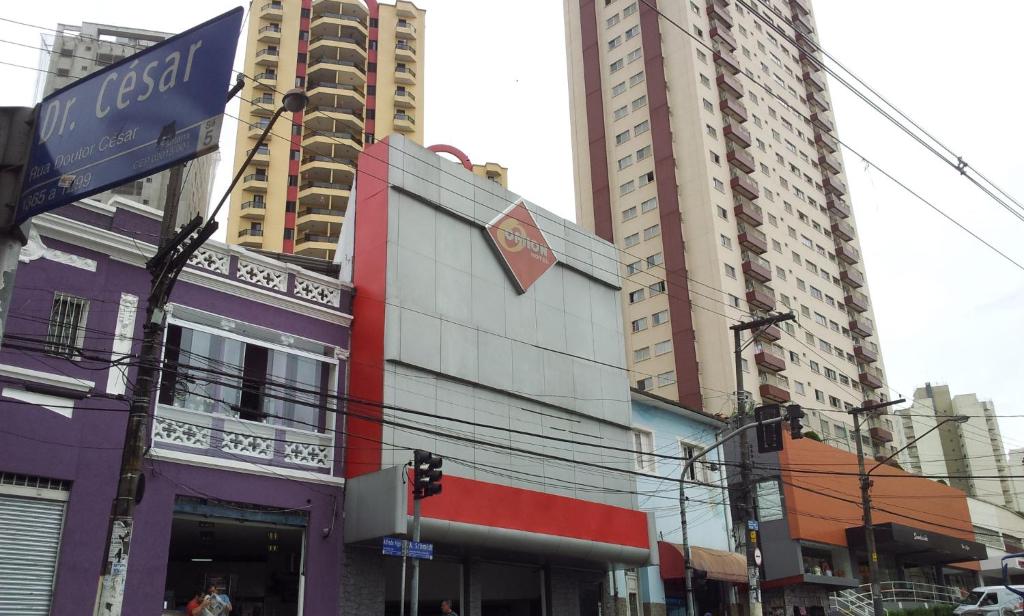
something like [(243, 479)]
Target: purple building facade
[(243, 470)]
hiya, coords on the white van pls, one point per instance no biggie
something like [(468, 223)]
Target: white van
[(985, 600)]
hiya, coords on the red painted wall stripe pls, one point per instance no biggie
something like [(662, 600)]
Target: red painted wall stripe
[(487, 504), (366, 376), (676, 275), (596, 133)]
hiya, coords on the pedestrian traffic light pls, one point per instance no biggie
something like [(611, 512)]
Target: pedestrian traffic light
[(769, 436), (426, 474), (795, 414)]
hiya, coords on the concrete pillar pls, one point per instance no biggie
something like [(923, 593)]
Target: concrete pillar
[(472, 589), (362, 582)]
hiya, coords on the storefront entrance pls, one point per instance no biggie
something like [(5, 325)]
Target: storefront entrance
[(255, 555), (502, 589)]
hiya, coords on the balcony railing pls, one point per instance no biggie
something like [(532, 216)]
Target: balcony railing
[(829, 163), (760, 296), (748, 212), (753, 238), (733, 108), (267, 52), (871, 380), (331, 62), (741, 159), (743, 185), (255, 177), (842, 229), (334, 86), (815, 80), (865, 354), (834, 185), (730, 85), (817, 101), (320, 211), (325, 185), (339, 16), (837, 207), (880, 434), (727, 61), (773, 388), (250, 233), (724, 37), (800, 6), (862, 326), (737, 134), (405, 70), (720, 13), (769, 334), (352, 111), (852, 277), (402, 46), (756, 267), (361, 43), (253, 205), (770, 359), (848, 254), (313, 237), (328, 159), (822, 122), (333, 135), (826, 142), (856, 301)]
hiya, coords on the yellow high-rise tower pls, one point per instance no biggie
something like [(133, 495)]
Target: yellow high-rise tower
[(362, 66)]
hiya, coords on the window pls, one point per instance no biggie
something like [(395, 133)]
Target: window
[(645, 384), (631, 240), (633, 32), (645, 179), (730, 271), (642, 354), (723, 213), (636, 296), (625, 161), (256, 393), (629, 213), (635, 79), (734, 301), (644, 152), (799, 387), (641, 128), (820, 318), (666, 378), (659, 317), (65, 333), (634, 267), (719, 185), (725, 241), (655, 260), (816, 292), (708, 106), (628, 187), (643, 445), (622, 137), (662, 347), (652, 231), (657, 288), (618, 88), (830, 374), (819, 395), (649, 205), (699, 471), (621, 112), (769, 501), (611, 21), (704, 81), (710, 130), (715, 158), (640, 324), (639, 102), (629, 10), (617, 65), (815, 368), (841, 431)]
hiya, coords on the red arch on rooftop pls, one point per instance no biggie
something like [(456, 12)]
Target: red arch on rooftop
[(454, 151)]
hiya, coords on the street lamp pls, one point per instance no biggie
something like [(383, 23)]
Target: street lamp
[(865, 493)]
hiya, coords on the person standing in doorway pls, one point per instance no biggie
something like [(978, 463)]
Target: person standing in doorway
[(216, 603), (192, 609), (446, 608)]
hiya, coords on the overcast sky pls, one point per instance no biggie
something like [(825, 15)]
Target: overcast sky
[(949, 310)]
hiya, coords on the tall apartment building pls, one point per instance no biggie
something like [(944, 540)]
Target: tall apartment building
[(74, 52), (1015, 469), (972, 454), (724, 200), (362, 67)]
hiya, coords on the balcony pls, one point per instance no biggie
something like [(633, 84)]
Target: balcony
[(829, 163), (815, 80), (332, 189), (266, 80), (728, 84), (250, 237), (736, 134), (330, 43), (833, 185), (826, 142), (743, 185), (266, 57), (255, 183), (817, 101), (871, 380), (852, 277), (753, 239), (865, 354), (802, 24), (316, 241), (405, 30), (332, 144), (723, 37), (773, 388), (800, 6), (327, 163), (318, 217), (756, 267), (733, 108), (725, 60), (256, 128), (272, 11), (842, 229), (848, 254), (405, 9), (806, 45), (339, 66), (404, 122), (719, 14), (748, 212), (862, 326), (823, 123), (770, 360), (332, 88), (262, 154), (269, 34), (769, 334), (856, 301), (880, 435), (329, 21), (741, 159), (404, 99), (404, 52), (263, 105), (253, 209), (760, 296), (405, 75), (837, 207)]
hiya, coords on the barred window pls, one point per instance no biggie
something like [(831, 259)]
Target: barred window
[(66, 332)]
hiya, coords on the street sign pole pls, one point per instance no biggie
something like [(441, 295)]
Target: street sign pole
[(414, 601)]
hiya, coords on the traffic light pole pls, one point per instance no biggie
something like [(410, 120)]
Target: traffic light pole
[(741, 431), (747, 508), (426, 483), (414, 600)]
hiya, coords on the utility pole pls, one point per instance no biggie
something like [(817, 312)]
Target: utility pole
[(16, 130), (426, 483), (746, 510), (865, 491), (164, 267)]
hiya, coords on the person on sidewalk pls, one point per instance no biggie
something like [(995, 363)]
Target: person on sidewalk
[(446, 608)]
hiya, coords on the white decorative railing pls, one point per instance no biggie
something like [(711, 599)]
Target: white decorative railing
[(210, 260), (260, 274), (857, 601), (317, 292), (227, 437), (850, 602)]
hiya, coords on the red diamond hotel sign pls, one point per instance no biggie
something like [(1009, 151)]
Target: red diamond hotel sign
[(521, 244)]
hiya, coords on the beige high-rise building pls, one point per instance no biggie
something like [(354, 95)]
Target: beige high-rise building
[(972, 454), (362, 66), (708, 155)]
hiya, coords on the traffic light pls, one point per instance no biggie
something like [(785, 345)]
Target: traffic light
[(769, 437), (795, 414), (426, 474)]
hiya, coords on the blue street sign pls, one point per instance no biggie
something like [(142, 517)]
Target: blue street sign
[(134, 118), (393, 546), (423, 551), (752, 524)]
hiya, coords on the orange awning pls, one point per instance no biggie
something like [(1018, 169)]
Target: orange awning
[(716, 564)]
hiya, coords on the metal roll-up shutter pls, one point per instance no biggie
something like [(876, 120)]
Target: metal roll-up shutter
[(29, 543)]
